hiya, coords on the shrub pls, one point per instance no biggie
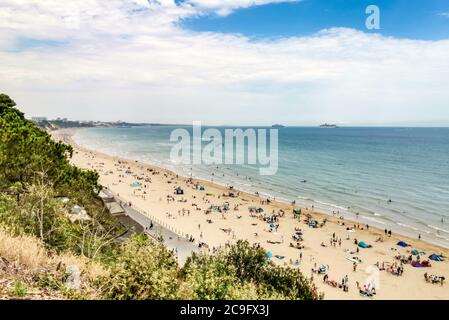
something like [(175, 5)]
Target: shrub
[(142, 270)]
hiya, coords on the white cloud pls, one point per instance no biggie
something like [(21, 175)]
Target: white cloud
[(225, 7), (131, 60), (444, 14)]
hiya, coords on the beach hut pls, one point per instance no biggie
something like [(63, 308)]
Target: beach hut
[(114, 208), (106, 196)]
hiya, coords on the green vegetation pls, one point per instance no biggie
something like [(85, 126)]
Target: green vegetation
[(145, 270), (39, 187), (20, 289)]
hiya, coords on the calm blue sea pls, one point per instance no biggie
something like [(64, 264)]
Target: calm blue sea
[(350, 170)]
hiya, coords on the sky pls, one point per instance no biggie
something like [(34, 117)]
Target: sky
[(239, 62)]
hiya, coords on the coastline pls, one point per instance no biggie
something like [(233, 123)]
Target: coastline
[(313, 253)]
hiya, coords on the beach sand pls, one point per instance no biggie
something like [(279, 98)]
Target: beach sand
[(186, 214)]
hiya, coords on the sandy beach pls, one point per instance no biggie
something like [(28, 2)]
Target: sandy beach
[(331, 244)]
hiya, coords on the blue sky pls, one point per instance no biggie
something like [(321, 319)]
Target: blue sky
[(414, 19), (238, 62)]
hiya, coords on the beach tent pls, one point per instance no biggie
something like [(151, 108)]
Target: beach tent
[(313, 223), (178, 190), (436, 257), (364, 245), (402, 244), (416, 252), (269, 255), (322, 269), (297, 211), (201, 188), (260, 209)]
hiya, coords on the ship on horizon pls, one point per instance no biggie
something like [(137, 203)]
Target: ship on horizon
[(327, 125)]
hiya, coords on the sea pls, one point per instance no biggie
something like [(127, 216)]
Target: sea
[(393, 178)]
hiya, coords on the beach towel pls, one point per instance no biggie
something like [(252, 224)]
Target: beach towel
[(402, 244), (364, 245), (436, 257), (424, 264), (135, 185), (355, 259)]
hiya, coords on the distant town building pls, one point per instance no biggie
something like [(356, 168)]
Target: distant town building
[(38, 119)]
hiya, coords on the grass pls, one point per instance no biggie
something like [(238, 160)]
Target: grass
[(20, 289), (32, 271)]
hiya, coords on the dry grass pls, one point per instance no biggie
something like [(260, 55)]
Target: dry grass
[(23, 258), (23, 250)]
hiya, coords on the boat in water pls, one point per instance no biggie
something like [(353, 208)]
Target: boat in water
[(326, 125)]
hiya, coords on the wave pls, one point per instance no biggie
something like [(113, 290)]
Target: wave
[(407, 226), (438, 229)]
